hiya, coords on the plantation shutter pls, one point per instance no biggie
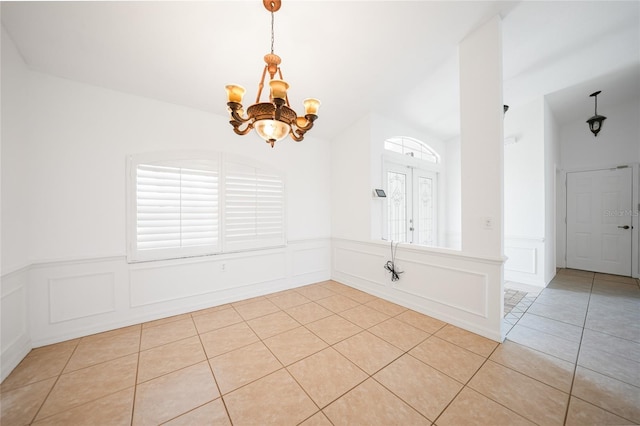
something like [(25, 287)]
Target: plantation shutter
[(254, 207), (177, 209)]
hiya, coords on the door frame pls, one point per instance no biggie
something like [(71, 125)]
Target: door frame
[(561, 228)]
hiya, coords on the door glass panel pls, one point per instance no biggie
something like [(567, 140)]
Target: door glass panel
[(426, 225), (397, 206)]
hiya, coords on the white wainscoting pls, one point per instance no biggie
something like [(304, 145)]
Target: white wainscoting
[(72, 298), (462, 290), (525, 262), (15, 342)]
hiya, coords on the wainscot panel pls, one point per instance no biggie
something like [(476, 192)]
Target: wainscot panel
[(525, 262), (74, 298), (465, 291), (15, 342)]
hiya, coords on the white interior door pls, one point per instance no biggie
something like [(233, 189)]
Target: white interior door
[(599, 220)]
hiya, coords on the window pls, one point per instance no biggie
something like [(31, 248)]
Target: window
[(412, 147), (192, 204), (411, 182)]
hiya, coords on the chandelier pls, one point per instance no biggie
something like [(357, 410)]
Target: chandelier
[(272, 120)]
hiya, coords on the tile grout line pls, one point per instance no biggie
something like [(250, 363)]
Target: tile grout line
[(575, 367), (224, 404), (35, 416), (135, 382)]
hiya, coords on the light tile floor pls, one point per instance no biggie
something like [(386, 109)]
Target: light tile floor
[(329, 354)]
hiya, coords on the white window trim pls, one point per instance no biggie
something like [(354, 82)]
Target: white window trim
[(134, 255)]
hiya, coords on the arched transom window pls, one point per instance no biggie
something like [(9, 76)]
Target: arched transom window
[(412, 147)]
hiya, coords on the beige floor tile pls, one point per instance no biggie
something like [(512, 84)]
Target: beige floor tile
[(167, 333), (317, 419), (173, 394), (111, 333), (315, 292), (166, 320), (170, 357), (272, 324), (336, 286), (326, 375), (582, 413), (468, 340), (333, 329), (217, 319), (406, 377), (112, 410), (398, 333), (546, 343), (386, 307), (39, 364), (212, 413), (211, 310), (450, 359), (530, 398), (423, 322), (19, 406), (538, 365), (258, 404), (227, 339), (293, 345), (364, 316), (371, 404), (79, 387), (358, 296), (95, 351), (473, 409), (289, 299), (256, 309), (248, 301), (607, 393), (242, 366), (337, 303), (308, 312), (367, 351)]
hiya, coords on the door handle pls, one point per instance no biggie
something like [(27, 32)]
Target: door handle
[(624, 227)]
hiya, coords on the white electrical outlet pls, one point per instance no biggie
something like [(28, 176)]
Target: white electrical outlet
[(487, 222)]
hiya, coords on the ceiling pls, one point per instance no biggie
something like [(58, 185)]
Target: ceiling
[(397, 58)]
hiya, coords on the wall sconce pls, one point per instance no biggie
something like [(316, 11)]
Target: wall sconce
[(595, 122)]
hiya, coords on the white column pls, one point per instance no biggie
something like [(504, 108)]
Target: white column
[(481, 120)]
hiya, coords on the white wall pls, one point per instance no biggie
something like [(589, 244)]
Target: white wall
[(617, 144), (64, 180), (453, 195), (15, 342), (551, 158), (462, 288), (524, 193)]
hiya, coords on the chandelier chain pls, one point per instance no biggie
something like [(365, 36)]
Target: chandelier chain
[(272, 36)]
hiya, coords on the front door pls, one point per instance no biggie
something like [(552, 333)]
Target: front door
[(599, 220)]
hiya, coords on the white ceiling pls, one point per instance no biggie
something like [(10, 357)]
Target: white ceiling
[(397, 58)]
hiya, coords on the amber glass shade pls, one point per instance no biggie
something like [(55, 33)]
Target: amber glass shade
[(311, 106), (278, 89), (234, 93)]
